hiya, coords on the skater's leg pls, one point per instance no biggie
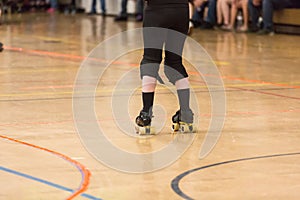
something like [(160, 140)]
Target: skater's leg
[(148, 84), (184, 118), (174, 69), (148, 88), (153, 45), (183, 91)]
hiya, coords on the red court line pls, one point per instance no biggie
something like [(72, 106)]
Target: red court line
[(266, 93), (259, 91), (247, 80), (261, 82), (80, 58), (86, 173), (66, 56)]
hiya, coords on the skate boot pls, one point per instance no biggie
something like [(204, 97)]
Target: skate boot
[(143, 124), (183, 122)]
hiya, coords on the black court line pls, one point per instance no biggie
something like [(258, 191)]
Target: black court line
[(106, 96), (177, 179)]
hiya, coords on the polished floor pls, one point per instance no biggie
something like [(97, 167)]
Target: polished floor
[(49, 148)]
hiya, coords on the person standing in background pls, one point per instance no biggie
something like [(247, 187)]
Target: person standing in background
[(53, 6), (123, 16), (94, 7)]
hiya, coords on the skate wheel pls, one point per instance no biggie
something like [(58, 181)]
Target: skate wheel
[(175, 127), (148, 130), (187, 128), (137, 129)]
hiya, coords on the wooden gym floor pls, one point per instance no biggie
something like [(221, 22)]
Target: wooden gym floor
[(42, 156)]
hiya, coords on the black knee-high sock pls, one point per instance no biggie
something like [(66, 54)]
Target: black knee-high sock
[(184, 99), (148, 98)]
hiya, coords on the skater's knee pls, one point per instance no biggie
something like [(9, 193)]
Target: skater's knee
[(182, 84), (149, 67), (175, 72), (148, 84)]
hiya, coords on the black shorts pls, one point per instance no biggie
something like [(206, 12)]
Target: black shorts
[(171, 18)]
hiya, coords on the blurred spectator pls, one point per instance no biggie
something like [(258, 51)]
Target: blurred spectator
[(140, 10), (94, 7), (229, 10), (53, 6), (223, 14), (71, 8), (199, 18), (267, 7), (243, 5), (211, 18), (123, 16), (191, 13)]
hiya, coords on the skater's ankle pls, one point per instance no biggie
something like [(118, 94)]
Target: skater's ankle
[(187, 116)]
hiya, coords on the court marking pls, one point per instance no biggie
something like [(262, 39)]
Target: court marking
[(232, 86), (175, 182), (228, 114), (65, 56), (81, 58), (85, 173), (11, 171), (266, 93)]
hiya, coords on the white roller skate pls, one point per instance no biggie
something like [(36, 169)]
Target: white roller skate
[(143, 124), (183, 122)]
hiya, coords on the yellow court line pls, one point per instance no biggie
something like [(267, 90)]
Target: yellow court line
[(221, 62)]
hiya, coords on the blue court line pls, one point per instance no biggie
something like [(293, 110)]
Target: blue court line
[(46, 182), (177, 179)]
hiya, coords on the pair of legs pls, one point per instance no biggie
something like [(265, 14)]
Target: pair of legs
[(168, 21), (227, 12), (94, 4), (210, 19), (123, 14), (211, 12), (267, 7), (239, 4)]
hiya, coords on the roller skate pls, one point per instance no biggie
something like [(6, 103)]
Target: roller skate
[(143, 124), (183, 122)]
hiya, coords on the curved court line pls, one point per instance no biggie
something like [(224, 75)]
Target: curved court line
[(177, 179), (85, 173), (45, 182)]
